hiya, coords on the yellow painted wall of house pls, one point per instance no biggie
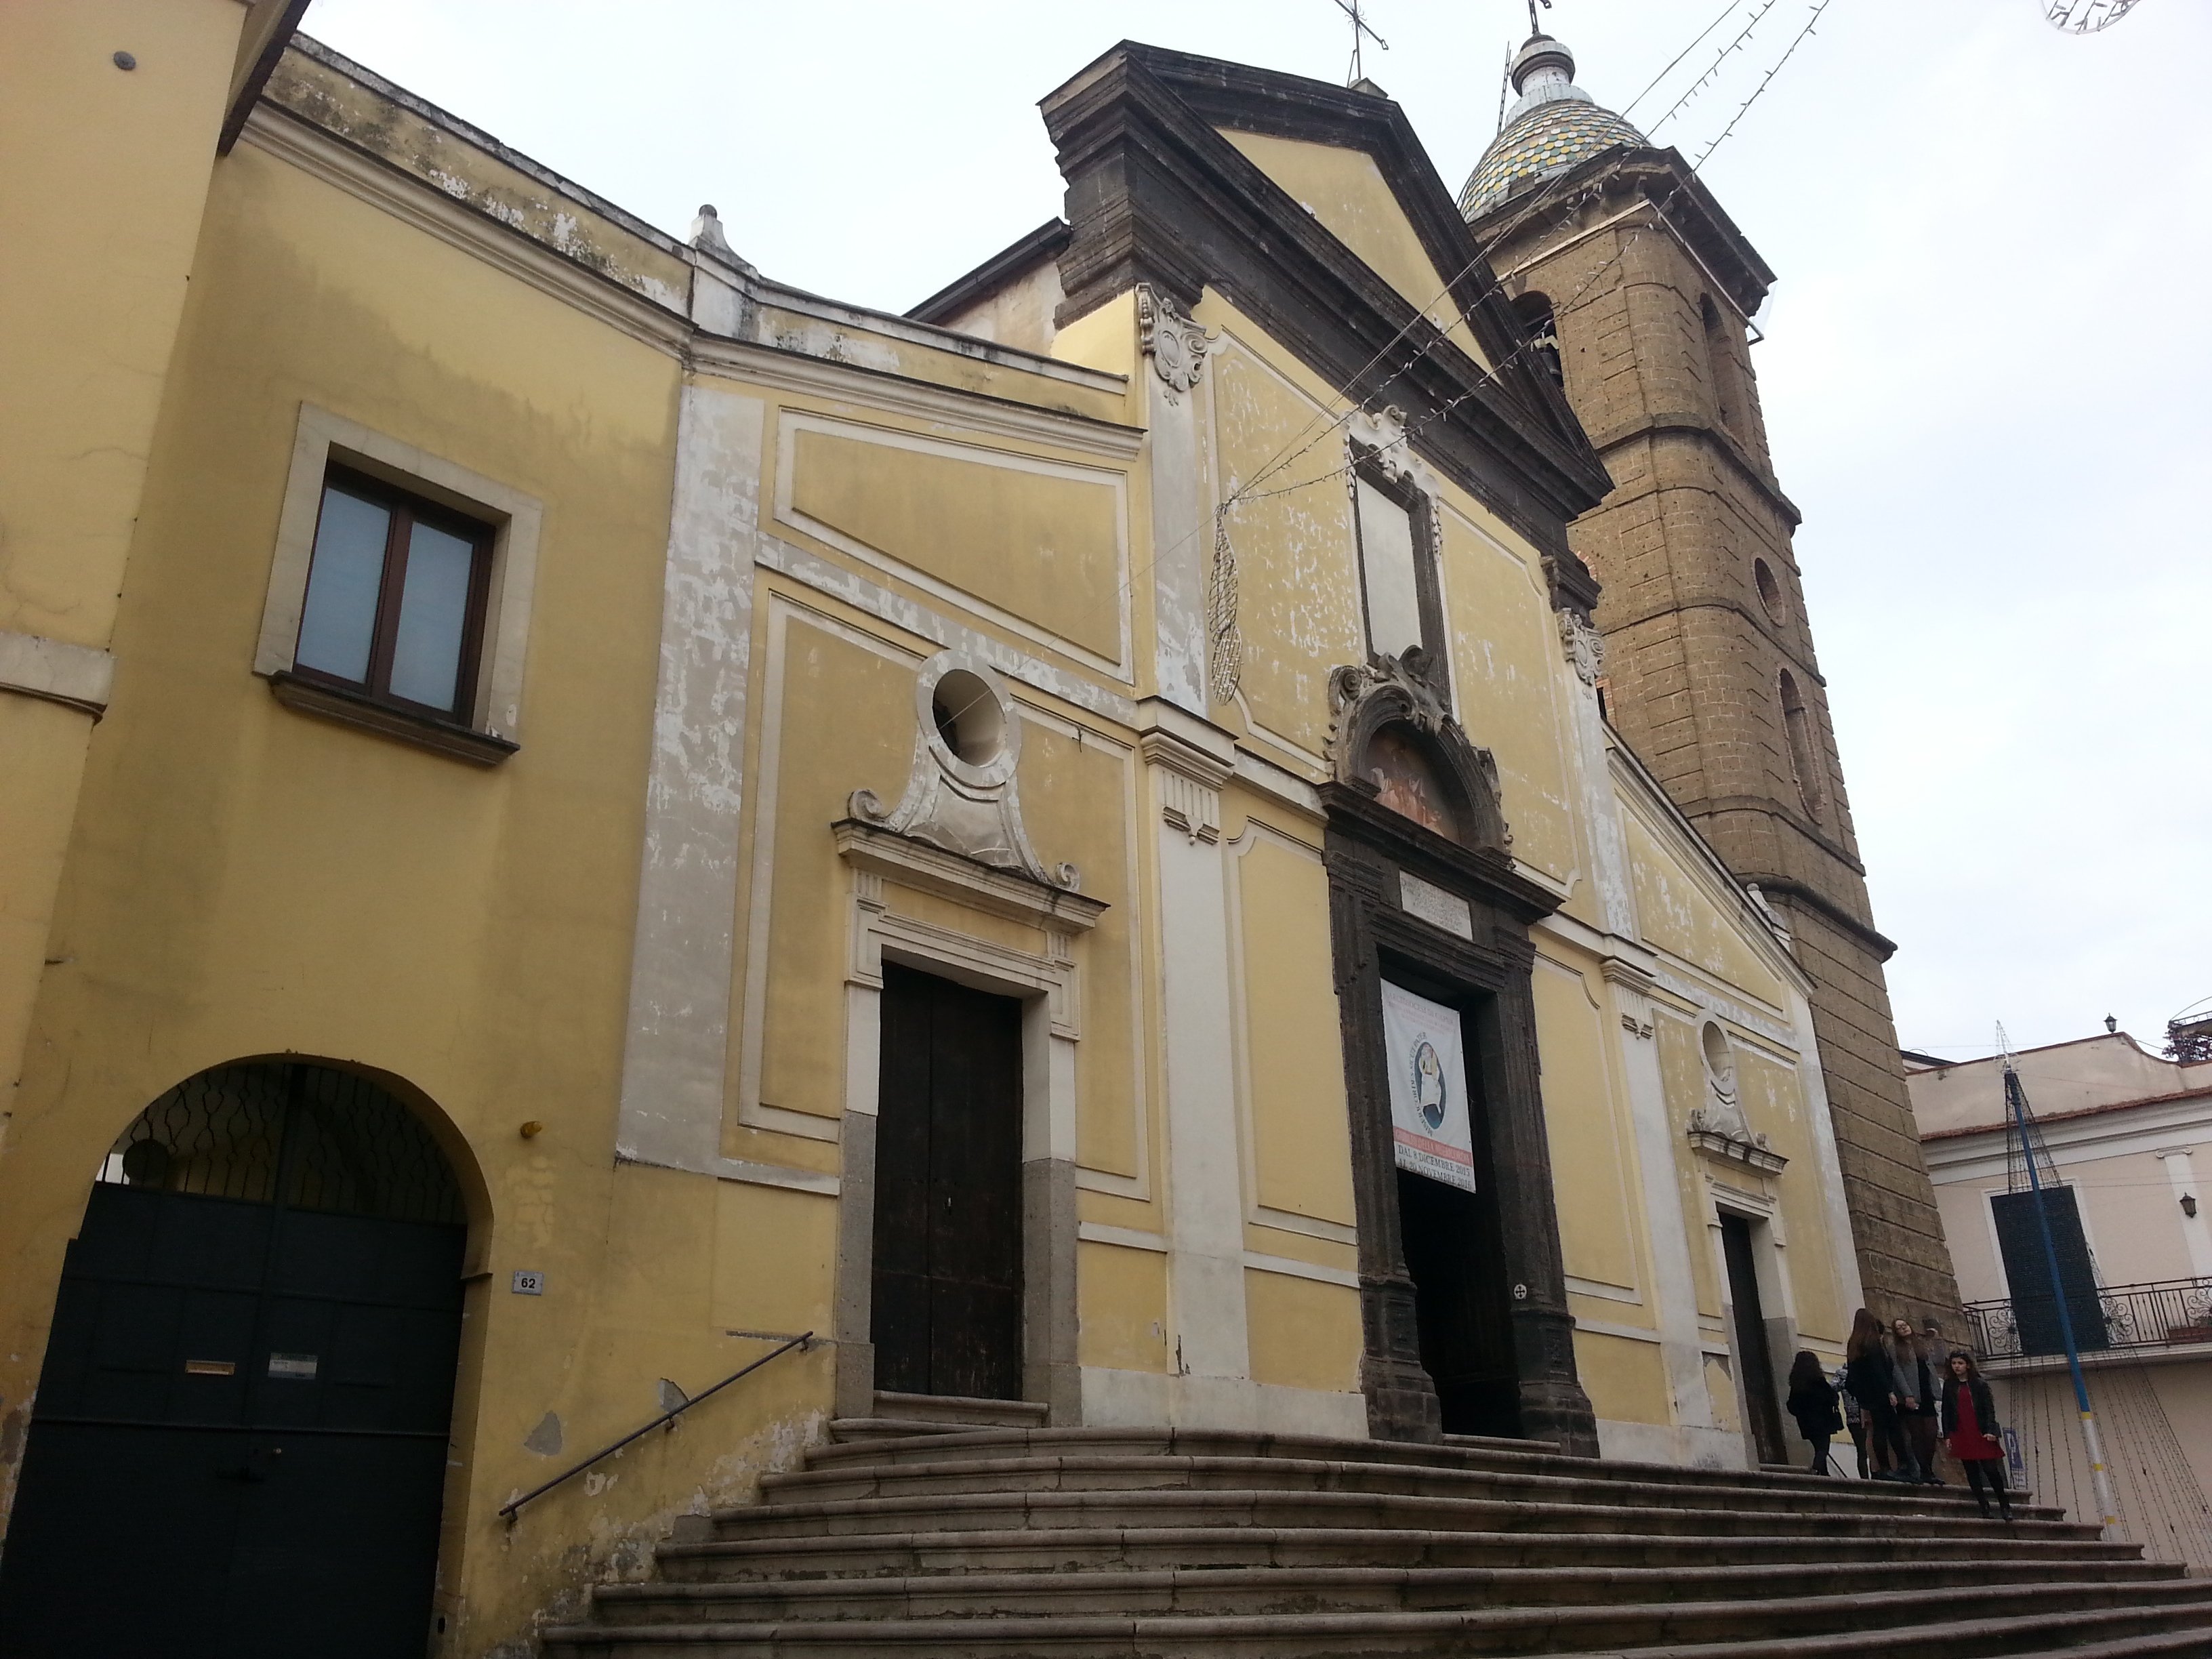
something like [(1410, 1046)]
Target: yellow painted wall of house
[(1305, 1334), (97, 246), (1122, 1306), (230, 920), (1593, 1152)]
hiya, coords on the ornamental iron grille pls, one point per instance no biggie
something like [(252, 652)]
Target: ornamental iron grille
[(2157, 1314), (311, 1137)]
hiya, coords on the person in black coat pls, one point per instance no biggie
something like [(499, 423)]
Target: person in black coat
[(1813, 1402), (1871, 1373)]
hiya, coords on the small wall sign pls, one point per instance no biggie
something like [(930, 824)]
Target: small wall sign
[(527, 1283), (210, 1368), (299, 1367)]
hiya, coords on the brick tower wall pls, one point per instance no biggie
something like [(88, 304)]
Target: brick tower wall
[(1656, 367)]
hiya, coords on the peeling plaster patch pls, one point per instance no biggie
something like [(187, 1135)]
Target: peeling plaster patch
[(546, 1438)]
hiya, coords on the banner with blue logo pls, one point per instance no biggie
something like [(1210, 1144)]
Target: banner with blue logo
[(1431, 1129)]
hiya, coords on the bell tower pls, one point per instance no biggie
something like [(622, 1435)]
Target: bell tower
[(1638, 291)]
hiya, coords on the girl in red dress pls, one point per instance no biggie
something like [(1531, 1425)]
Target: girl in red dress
[(1970, 1425)]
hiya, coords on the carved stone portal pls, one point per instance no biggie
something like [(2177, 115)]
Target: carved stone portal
[(961, 795), (1390, 704)]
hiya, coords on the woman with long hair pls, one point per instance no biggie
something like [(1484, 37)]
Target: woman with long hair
[(1917, 1363), (1871, 1373), (1813, 1403), (1970, 1425)]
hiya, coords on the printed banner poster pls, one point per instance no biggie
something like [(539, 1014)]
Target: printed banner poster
[(1430, 1128)]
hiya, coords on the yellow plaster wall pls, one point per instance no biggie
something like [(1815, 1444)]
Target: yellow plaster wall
[(1345, 191), (1121, 1307), (1303, 1333), (1078, 801), (1298, 565), (1506, 665), (1042, 546), (1600, 1216), (1626, 1380), (234, 860), (1676, 914), (1293, 1060), (1772, 1093), (842, 719)]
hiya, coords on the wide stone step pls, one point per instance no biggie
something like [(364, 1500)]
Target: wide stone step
[(1241, 1507), (1247, 1590), (1099, 1471), (1958, 1624), (937, 1550), (960, 1409)]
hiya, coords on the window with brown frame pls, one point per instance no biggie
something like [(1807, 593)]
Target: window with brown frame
[(397, 587)]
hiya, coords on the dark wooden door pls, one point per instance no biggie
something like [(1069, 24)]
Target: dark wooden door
[(1751, 1348), (947, 1281), (241, 1429)]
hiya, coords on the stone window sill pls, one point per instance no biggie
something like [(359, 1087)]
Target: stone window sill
[(351, 709)]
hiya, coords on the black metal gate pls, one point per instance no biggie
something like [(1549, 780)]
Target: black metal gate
[(240, 1441)]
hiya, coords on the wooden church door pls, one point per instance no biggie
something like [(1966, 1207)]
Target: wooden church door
[(947, 1274)]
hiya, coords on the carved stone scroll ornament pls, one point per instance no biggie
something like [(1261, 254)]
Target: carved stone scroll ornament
[(1384, 691), (1225, 641), (1585, 645), (965, 799), (1175, 342)]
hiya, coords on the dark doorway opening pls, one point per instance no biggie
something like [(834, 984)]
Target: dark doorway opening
[(946, 1310), (242, 1424), (1461, 1304), (1751, 1349)]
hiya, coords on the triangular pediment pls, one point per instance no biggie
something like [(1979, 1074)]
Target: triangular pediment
[(1343, 187), (1314, 210)]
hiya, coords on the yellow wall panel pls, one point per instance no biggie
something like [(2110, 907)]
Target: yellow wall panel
[(1301, 1136), (1305, 1334), (1121, 1302), (774, 1255), (845, 722), (1042, 546), (1626, 1380), (1599, 1214)]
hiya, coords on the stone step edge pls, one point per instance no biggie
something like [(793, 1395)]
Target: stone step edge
[(1873, 1498), (1392, 1453), (1045, 1538), (970, 1412), (1924, 1522), (1753, 1575), (1934, 1638), (1249, 1626)]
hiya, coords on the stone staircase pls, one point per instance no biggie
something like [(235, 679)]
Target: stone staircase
[(915, 1535)]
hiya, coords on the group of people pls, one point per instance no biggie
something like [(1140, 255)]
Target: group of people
[(1896, 1399)]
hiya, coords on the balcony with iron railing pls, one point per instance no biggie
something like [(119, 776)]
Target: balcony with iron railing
[(2166, 1317)]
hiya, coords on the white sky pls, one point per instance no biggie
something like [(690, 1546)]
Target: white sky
[(1983, 374)]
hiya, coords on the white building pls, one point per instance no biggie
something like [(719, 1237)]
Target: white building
[(2129, 1138)]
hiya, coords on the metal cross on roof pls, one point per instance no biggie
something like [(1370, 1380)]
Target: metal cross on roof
[(1359, 29)]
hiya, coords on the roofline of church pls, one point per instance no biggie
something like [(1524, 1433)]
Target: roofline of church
[(1156, 194), (1010, 265)]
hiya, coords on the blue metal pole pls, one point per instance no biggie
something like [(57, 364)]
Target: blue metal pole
[(2016, 1098)]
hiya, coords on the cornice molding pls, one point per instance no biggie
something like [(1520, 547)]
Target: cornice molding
[(290, 138), (79, 677), (927, 869), (1722, 442), (1765, 627), (370, 179)]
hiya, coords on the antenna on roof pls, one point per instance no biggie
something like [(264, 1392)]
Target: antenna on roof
[(1505, 80), (1360, 35)]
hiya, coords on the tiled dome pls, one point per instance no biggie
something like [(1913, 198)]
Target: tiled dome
[(1553, 127)]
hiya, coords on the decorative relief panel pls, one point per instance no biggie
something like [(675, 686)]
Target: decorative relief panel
[(1175, 343), (961, 794)]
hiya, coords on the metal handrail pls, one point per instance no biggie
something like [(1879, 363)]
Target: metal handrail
[(2161, 1313), (666, 1419)]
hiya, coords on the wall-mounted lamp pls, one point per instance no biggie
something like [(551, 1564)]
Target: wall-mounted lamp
[(2188, 1205)]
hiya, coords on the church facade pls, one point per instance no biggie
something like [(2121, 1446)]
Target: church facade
[(1056, 859)]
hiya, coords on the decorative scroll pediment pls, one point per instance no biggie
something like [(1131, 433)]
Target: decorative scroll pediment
[(1390, 734), (962, 795)]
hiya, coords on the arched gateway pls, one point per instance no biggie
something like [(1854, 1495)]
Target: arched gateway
[(240, 1439)]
